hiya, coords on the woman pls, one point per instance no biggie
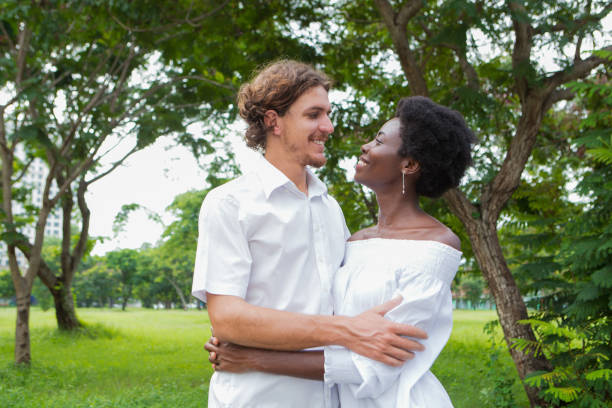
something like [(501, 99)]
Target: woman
[(423, 151)]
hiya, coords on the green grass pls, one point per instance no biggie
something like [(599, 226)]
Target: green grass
[(145, 358), (464, 367), (124, 359)]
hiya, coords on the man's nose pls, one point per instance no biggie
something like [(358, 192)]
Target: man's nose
[(327, 126)]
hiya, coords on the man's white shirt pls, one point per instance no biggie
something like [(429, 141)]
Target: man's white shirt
[(263, 240)]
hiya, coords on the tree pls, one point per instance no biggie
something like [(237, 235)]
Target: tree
[(88, 79), (97, 285), (178, 249), (502, 89), (573, 325), (472, 289), (167, 268), (125, 262)]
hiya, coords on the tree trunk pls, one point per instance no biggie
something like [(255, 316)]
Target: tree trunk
[(64, 308), (179, 292), (22, 330), (509, 302)]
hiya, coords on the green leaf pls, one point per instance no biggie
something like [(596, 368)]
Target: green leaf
[(603, 374), (566, 394)]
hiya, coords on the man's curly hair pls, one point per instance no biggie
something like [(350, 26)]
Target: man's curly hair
[(438, 139), (275, 87)]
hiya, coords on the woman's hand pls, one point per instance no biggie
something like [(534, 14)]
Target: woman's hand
[(230, 357)]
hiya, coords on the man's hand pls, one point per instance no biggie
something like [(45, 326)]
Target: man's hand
[(375, 337)]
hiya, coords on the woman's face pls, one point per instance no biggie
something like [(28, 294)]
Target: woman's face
[(379, 163)]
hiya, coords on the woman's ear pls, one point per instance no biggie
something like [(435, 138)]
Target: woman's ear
[(271, 120), (410, 166)]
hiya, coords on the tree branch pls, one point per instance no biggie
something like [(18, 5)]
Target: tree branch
[(113, 167), (558, 95), (24, 44), (133, 109), (500, 189), (81, 245), (3, 142), (116, 50), (191, 21), (10, 102), (577, 24), (407, 11), (121, 81), (579, 70), (82, 167), (521, 54), (460, 205), (44, 272), (11, 44), (399, 36), (95, 100), (23, 171)]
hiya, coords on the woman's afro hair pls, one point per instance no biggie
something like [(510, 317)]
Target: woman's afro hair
[(438, 139)]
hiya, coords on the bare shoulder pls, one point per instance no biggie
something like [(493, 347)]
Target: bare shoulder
[(361, 234), (446, 236)]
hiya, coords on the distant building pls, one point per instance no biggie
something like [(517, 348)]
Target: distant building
[(35, 180)]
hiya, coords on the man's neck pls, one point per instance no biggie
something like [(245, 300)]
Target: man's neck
[(294, 171)]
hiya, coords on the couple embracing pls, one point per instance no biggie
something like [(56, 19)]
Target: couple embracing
[(304, 313)]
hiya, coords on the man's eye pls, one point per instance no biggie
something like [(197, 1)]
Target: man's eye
[(378, 141)]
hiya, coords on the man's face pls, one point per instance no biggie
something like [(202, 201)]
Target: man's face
[(305, 127)]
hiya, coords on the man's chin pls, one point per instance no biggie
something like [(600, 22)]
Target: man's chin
[(317, 163)]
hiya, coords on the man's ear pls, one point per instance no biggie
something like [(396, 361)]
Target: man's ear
[(271, 120), (410, 166)]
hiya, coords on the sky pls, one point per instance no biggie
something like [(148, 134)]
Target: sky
[(152, 178)]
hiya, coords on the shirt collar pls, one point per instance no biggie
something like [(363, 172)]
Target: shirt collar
[(272, 178), (315, 186)]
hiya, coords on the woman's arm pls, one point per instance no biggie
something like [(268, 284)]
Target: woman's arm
[(233, 358), (427, 303)]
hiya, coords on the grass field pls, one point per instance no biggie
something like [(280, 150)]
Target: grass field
[(145, 358)]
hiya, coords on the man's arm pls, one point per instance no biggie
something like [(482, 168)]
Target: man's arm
[(368, 334)]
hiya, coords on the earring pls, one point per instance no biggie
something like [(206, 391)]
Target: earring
[(403, 184)]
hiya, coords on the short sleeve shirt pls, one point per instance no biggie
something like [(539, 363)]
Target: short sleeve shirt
[(263, 240)]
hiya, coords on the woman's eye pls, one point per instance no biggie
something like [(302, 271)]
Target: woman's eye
[(378, 142)]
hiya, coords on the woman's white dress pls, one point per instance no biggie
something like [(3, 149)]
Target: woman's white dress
[(376, 270)]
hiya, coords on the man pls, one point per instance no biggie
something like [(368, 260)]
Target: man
[(270, 242)]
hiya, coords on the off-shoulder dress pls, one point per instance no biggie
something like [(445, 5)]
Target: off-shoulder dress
[(376, 270)]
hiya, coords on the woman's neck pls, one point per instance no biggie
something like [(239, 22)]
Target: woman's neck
[(397, 211)]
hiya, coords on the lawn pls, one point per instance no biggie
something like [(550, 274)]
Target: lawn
[(146, 358)]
